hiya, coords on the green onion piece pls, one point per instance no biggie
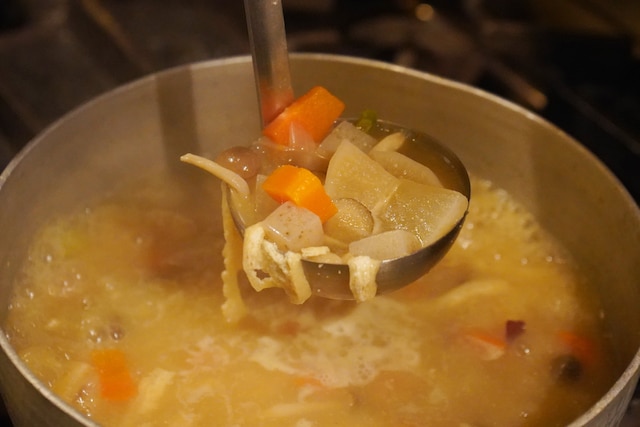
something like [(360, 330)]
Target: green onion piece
[(367, 120)]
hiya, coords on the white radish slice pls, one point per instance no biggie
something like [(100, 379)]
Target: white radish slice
[(349, 132), (386, 245), (402, 166), (391, 142)]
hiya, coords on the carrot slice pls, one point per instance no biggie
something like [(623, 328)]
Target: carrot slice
[(580, 346), (115, 378), (315, 112), (302, 187)]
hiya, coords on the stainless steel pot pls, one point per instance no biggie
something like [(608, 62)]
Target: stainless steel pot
[(207, 107)]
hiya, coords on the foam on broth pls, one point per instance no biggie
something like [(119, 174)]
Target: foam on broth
[(504, 331)]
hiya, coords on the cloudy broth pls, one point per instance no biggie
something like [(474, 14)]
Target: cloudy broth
[(503, 332)]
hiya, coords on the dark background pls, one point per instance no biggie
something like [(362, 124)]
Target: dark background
[(574, 62)]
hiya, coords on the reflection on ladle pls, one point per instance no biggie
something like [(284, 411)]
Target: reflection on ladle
[(271, 67), (267, 37)]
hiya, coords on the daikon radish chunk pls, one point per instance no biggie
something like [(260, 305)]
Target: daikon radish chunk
[(426, 211), (353, 174), (386, 245), (402, 166), (349, 132), (391, 142)]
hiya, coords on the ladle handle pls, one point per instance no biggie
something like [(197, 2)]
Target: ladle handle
[(268, 40)]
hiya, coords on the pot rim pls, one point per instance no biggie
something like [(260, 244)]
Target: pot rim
[(628, 376)]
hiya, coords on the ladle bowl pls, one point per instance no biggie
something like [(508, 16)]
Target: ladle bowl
[(332, 280), (267, 36), (144, 127)]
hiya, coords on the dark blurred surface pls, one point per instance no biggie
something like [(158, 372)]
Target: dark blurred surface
[(574, 62)]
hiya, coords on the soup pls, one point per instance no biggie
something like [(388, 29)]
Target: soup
[(118, 311), (357, 194)]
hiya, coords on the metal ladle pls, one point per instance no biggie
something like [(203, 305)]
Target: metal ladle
[(265, 23)]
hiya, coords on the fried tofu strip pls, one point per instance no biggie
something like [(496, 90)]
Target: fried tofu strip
[(267, 267), (234, 307)]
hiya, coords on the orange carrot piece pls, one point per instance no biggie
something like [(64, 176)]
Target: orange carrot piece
[(115, 378), (315, 112), (580, 346), (302, 187)]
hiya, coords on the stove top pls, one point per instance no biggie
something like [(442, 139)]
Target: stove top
[(575, 63)]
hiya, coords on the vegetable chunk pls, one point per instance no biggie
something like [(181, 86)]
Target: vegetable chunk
[(427, 211), (315, 112), (386, 245), (402, 166), (293, 228), (302, 187), (116, 382), (353, 174)]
